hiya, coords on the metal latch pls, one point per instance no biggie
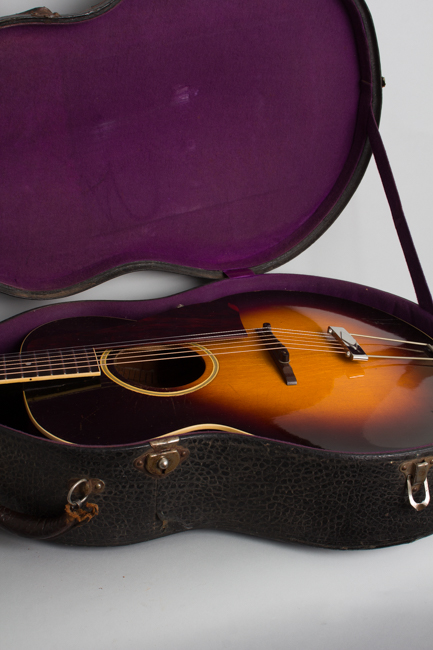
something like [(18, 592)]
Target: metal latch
[(416, 472), (165, 456)]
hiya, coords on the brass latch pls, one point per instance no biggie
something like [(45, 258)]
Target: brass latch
[(416, 472), (165, 456)]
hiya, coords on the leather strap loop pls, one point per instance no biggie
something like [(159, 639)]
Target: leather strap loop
[(46, 527)]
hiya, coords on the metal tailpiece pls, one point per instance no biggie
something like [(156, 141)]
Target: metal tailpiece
[(352, 347)]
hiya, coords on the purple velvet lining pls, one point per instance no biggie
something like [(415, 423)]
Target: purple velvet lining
[(207, 135)]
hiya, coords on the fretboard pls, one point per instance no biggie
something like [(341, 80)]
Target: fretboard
[(48, 364)]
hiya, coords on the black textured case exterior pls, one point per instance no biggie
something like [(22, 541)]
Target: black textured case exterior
[(228, 482)]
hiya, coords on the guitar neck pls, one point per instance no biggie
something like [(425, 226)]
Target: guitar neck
[(48, 364)]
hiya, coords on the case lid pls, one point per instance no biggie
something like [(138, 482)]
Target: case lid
[(198, 136)]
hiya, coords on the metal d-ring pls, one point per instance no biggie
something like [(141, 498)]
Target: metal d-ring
[(79, 502), (423, 504)]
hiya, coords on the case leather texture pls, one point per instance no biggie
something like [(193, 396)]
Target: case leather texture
[(268, 489)]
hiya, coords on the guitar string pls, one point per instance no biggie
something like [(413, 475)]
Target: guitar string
[(197, 339), (60, 361), (45, 359), (139, 355), (117, 363), (55, 355), (203, 338), (183, 339), (382, 338), (151, 352), (221, 334), (153, 356), (186, 356)]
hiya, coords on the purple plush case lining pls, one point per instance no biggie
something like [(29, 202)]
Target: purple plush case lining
[(208, 136), (204, 137)]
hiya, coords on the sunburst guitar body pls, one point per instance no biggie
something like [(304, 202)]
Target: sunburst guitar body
[(305, 369)]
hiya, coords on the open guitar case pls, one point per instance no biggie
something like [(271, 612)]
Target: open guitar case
[(213, 139)]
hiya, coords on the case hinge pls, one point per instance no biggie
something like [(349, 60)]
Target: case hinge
[(165, 456), (416, 472)]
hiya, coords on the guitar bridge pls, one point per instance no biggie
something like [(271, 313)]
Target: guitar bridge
[(279, 354)]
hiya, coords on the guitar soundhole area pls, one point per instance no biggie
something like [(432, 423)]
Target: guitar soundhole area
[(164, 369)]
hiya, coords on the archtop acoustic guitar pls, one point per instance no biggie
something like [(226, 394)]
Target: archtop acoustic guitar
[(310, 370)]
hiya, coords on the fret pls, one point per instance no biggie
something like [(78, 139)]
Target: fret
[(42, 363), (35, 364), (49, 362), (21, 367), (64, 369), (3, 371), (28, 365), (77, 368), (56, 363), (92, 361)]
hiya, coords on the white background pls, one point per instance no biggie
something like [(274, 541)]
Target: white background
[(220, 590)]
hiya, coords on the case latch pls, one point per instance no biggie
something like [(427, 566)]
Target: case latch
[(416, 472), (165, 456)]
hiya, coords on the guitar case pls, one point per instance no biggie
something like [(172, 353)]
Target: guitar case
[(213, 139)]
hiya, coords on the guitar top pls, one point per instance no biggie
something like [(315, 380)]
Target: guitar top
[(304, 369)]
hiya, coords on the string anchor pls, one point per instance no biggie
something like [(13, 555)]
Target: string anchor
[(352, 347)]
